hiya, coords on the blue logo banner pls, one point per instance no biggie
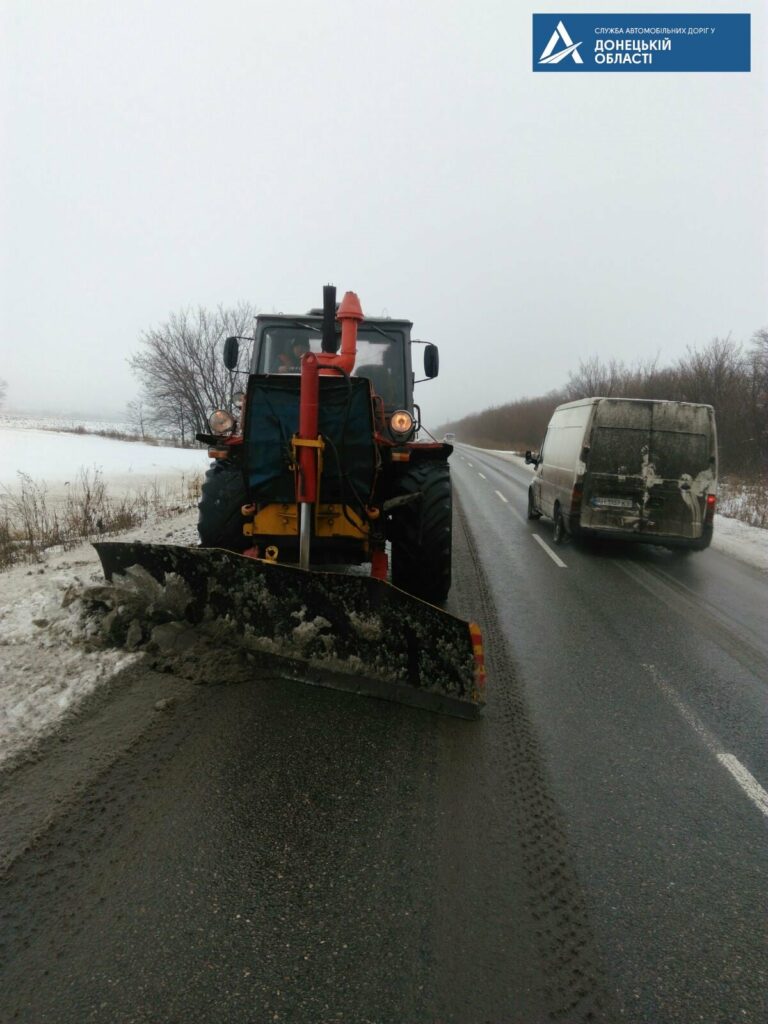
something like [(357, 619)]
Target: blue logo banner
[(641, 42)]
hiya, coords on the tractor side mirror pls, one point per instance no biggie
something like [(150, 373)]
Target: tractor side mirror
[(231, 353), (431, 361)]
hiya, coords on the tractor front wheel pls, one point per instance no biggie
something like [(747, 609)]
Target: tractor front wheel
[(421, 541), (220, 522)]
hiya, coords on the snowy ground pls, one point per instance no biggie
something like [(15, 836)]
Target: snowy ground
[(57, 458), (46, 668), (26, 422)]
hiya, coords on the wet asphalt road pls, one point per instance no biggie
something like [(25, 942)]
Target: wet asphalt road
[(646, 677), (266, 851)]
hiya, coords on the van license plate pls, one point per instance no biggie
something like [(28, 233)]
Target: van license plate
[(614, 502)]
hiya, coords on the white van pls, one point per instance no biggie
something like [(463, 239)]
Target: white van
[(634, 469)]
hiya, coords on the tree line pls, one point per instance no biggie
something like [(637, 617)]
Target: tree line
[(723, 373)]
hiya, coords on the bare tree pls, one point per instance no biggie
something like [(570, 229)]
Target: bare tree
[(711, 373), (3, 390), (717, 374), (137, 417), (180, 367), (758, 370), (614, 379)]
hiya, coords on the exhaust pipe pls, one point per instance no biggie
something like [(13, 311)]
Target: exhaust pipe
[(329, 342)]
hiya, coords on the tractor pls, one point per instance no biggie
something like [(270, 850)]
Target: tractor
[(322, 463), (316, 469)]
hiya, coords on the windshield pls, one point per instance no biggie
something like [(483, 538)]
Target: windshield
[(380, 357)]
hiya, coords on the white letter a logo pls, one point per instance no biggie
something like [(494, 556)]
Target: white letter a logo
[(561, 32)]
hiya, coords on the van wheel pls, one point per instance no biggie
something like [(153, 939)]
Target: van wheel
[(558, 534), (533, 512)]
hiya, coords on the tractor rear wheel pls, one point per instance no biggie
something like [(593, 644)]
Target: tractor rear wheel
[(220, 523), (421, 544)]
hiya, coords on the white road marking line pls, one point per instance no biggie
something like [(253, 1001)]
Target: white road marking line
[(470, 465), (746, 780), (550, 552), (483, 476), (511, 508)]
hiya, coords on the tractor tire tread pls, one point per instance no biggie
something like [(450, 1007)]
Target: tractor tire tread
[(421, 553), (220, 522)]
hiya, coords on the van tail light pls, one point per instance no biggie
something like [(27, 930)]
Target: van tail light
[(710, 507), (576, 495)]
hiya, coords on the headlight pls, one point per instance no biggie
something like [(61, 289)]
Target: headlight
[(221, 422), (401, 424)]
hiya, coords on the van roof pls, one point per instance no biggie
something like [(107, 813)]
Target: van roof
[(617, 398)]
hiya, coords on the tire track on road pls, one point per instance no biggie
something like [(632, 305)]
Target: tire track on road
[(576, 986)]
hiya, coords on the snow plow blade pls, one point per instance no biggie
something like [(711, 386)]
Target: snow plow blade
[(329, 629)]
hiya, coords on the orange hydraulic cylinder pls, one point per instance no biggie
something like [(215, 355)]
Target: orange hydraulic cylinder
[(309, 403)]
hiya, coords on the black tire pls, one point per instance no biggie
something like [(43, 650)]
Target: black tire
[(421, 533), (533, 512), (220, 522), (558, 534)]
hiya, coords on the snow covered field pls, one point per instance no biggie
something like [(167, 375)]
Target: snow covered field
[(57, 458), (26, 422)]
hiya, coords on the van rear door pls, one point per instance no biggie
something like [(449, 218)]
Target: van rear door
[(649, 467)]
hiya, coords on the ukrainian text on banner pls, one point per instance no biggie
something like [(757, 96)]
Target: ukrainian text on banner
[(641, 42)]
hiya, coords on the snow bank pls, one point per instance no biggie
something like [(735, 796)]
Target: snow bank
[(747, 543), (48, 659)]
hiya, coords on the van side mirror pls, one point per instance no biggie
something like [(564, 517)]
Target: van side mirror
[(531, 459), (431, 361), (231, 352)]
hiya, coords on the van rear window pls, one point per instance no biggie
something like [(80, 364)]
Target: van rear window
[(617, 450), (673, 453), (620, 450)]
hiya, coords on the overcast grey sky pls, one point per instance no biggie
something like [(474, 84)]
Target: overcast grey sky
[(163, 154)]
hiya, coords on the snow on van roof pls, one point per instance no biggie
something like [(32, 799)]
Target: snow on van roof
[(619, 398)]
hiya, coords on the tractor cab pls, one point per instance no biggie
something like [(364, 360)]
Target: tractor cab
[(383, 353)]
